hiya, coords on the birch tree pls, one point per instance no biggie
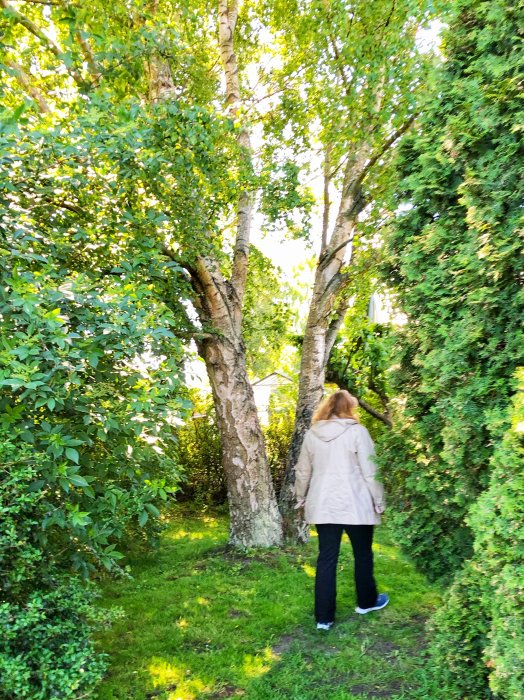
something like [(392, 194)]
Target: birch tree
[(348, 80), (334, 78)]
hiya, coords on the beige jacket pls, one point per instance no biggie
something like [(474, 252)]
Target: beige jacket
[(335, 475)]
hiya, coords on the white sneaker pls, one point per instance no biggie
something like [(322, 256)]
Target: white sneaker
[(324, 625), (382, 601)]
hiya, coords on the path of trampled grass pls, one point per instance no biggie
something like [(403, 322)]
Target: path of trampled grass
[(203, 623)]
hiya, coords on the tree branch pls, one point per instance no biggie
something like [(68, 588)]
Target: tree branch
[(161, 84), (43, 38), (228, 17), (89, 56), (42, 2), (373, 412), (382, 150), (338, 62), (325, 213), (342, 384), (334, 327), (25, 82)]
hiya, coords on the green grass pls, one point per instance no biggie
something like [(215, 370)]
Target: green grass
[(204, 622)]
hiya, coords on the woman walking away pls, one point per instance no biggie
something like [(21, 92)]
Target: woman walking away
[(335, 481)]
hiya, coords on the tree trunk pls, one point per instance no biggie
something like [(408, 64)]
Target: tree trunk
[(255, 518), (316, 347), (326, 313)]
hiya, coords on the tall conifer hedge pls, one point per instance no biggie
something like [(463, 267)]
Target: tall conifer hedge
[(451, 462)]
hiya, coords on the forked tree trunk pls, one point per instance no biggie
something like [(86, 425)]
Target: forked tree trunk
[(327, 309), (326, 313)]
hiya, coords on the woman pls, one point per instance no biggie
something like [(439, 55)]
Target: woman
[(335, 480)]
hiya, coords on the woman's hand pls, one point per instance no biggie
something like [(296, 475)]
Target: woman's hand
[(301, 502), (379, 508)]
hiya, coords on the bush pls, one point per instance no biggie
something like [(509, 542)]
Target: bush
[(479, 632), (46, 616), (454, 257), (89, 375), (46, 651), (199, 455), (277, 436)]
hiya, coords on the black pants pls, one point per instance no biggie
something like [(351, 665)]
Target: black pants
[(329, 537)]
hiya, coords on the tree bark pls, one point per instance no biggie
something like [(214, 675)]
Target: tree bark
[(255, 517)]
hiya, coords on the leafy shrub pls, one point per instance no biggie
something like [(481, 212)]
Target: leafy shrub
[(199, 455), (74, 391), (277, 436), (46, 650), (46, 616)]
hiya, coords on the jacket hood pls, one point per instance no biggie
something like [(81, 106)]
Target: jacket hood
[(328, 430)]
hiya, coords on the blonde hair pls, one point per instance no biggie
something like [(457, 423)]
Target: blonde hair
[(341, 404)]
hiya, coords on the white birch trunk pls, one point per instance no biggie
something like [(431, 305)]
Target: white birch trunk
[(255, 517), (326, 313)]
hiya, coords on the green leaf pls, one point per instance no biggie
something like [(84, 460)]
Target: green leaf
[(78, 480), (152, 509), (72, 454)]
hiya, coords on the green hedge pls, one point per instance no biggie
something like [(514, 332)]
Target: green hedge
[(453, 464), (478, 644), (453, 257)]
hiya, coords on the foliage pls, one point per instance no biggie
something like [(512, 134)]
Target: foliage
[(85, 384), (479, 629), (46, 650), (285, 202), (453, 257), (46, 616), (266, 315), (89, 374), (361, 357), (212, 621), (278, 433), (199, 454), (455, 477), (346, 78)]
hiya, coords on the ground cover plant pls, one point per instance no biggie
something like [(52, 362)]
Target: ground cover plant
[(203, 621)]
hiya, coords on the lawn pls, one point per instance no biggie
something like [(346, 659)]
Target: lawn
[(205, 622)]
